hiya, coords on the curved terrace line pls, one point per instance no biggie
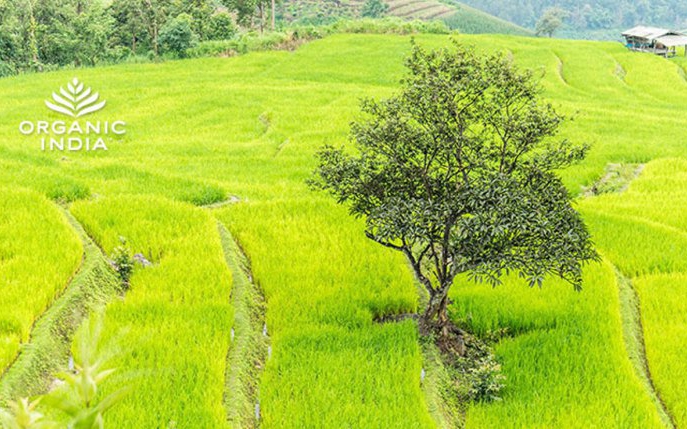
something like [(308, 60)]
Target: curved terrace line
[(47, 352), (249, 348), (633, 335)]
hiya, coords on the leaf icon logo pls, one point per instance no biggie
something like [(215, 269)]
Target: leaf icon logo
[(76, 101)]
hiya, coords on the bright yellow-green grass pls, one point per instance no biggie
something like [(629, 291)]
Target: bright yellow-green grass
[(201, 130), (173, 326), (649, 243), (38, 255)]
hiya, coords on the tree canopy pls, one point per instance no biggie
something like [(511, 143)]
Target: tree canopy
[(42, 35), (550, 21), (458, 172)]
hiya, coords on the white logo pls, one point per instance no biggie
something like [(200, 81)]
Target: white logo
[(76, 101), (75, 134)]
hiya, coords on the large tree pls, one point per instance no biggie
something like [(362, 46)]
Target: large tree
[(458, 172), (550, 21)]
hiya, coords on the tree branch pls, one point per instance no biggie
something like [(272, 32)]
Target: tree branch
[(383, 243)]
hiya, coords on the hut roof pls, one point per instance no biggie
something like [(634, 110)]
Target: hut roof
[(649, 33), (672, 40)]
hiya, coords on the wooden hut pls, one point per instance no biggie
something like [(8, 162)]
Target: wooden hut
[(659, 41)]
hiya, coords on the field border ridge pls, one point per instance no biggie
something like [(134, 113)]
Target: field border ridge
[(92, 286), (559, 68), (635, 345), (250, 347)]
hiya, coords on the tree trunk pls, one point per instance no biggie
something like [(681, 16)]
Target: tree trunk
[(262, 18), (274, 11), (155, 46), (435, 321), (436, 312)]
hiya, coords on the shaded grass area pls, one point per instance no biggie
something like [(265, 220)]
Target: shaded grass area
[(48, 351), (564, 345)]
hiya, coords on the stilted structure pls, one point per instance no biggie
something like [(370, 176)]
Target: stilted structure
[(659, 41)]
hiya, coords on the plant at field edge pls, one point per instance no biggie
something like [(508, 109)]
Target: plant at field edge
[(457, 172), (123, 262), (22, 414), (79, 397)]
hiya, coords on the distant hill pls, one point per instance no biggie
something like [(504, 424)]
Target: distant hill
[(474, 21), (457, 16), (591, 18)]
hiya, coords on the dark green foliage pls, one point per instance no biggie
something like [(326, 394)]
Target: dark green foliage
[(177, 36), (40, 36), (457, 172), (6, 69), (249, 12), (123, 262), (35, 34), (221, 27), (374, 9), (476, 377)]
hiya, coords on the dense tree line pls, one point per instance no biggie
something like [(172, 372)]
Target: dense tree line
[(591, 14), (44, 34)]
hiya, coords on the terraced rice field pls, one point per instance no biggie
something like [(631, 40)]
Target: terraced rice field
[(229, 142), (419, 9)]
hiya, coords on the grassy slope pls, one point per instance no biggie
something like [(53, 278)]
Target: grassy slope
[(38, 255), (195, 129), (457, 15), (49, 349), (650, 248), (473, 21), (174, 323)]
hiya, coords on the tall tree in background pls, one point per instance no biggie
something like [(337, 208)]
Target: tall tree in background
[(201, 12), (248, 11), (374, 9), (60, 32), (140, 21), (129, 28), (550, 21), (457, 172)]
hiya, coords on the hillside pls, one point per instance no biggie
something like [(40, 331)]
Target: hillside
[(474, 21), (456, 15), (590, 19), (218, 149)]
